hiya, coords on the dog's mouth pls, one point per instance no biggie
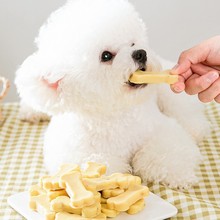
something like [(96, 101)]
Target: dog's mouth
[(136, 86)]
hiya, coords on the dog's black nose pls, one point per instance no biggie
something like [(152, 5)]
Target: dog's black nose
[(140, 56)]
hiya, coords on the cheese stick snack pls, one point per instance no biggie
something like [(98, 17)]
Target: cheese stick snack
[(145, 77)]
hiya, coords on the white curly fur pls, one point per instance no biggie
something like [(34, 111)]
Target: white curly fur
[(96, 115)]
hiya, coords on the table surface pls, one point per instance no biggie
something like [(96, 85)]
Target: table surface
[(21, 165)]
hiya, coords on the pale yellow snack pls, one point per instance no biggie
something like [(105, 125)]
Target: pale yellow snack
[(107, 193), (52, 182), (136, 207), (41, 204), (109, 212), (128, 198), (54, 194), (94, 170), (36, 190), (103, 200), (63, 204), (116, 180), (68, 216), (92, 210), (79, 196), (144, 77)]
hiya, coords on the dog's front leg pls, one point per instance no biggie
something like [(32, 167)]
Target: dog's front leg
[(169, 156)]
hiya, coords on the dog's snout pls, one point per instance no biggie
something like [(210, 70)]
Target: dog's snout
[(140, 56)]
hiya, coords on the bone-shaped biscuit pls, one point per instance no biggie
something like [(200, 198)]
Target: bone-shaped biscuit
[(52, 194), (36, 190), (128, 198), (109, 212), (143, 77), (94, 170), (63, 204), (68, 216), (107, 193), (116, 180), (91, 211), (52, 182), (136, 207), (41, 204), (80, 197)]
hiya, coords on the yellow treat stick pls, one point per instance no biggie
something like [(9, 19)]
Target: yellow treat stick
[(144, 77)]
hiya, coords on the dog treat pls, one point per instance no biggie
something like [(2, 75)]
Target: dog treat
[(52, 182), (116, 180), (63, 204), (128, 198), (109, 212), (103, 200), (41, 204), (94, 170), (107, 193), (52, 194), (91, 211), (136, 207), (36, 190), (144, 77), (80, 197), (68, 216), (87, 194)]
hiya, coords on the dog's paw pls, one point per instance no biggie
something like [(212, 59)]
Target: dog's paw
[(174, 180), (29, 115)]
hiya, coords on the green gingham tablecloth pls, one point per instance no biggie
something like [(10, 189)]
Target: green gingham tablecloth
[(21, 165)]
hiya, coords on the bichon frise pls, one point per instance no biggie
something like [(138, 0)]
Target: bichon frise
[(86, 53)]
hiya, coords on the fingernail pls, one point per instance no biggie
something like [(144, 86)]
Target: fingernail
[(213, 76), (177, 89)]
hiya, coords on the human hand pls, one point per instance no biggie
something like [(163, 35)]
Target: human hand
[(199, 69)]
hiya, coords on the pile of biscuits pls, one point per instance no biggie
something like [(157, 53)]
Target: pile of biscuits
[(73, 193)]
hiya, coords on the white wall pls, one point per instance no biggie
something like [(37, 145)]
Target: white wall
[(173, 25)]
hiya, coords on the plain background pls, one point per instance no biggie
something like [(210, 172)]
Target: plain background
[(173, 26)]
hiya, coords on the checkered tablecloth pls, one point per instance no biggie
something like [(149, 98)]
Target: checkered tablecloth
[(21, 165)]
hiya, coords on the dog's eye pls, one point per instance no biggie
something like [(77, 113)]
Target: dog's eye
[(106, 56)]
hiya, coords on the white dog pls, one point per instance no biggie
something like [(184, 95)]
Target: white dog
[(86, 53)]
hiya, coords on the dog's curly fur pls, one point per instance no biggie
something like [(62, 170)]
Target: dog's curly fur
[(96, 114)]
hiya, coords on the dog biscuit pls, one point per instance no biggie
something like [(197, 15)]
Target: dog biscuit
[(52, 194), (116, 180), (41, 204), (128, 198), (144, 77), (77, 192), (91, 211), (109, 212), (52, 182), (136, 207), (107, 193), (68, 216), (63, 204), (103, 200), (94, 170), (36, 190)]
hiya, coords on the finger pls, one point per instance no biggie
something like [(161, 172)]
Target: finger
[(179, 86), (194, 55), (211, 93), (202, 69), (217, 98), (196, 83)]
